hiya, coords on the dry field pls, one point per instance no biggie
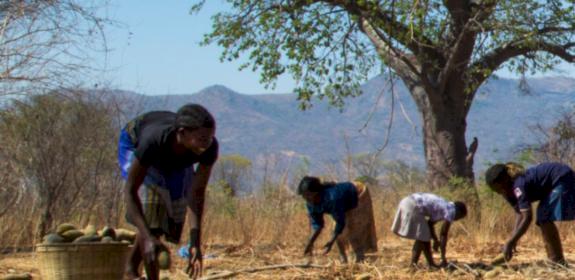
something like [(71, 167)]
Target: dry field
[(262, 237), (468, 261)]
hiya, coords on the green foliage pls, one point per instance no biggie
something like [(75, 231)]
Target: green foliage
[(370, 181), (398, 173), (318, 45), (323, 46), (219, 195), (442, 50), (458, 188), (232, 173)]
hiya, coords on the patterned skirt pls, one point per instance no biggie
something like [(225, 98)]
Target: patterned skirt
[(163, 195)]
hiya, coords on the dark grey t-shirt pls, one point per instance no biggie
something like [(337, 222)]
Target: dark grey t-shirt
[(155, 134)]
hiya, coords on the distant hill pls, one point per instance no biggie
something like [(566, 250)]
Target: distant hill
[(258, 125)]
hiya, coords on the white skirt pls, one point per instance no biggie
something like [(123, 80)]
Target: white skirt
[(409, 222)]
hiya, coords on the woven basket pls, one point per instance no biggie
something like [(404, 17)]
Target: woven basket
[(82, 261)]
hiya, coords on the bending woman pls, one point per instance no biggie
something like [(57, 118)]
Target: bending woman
[(349, 204)]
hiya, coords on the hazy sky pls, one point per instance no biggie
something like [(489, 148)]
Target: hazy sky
[(156, 51)]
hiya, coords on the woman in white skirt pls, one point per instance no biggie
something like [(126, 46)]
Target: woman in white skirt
[(416, 217)]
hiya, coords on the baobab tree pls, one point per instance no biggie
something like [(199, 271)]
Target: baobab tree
[(442, 50)]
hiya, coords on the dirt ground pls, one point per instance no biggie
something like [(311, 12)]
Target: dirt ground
[(467, 262)]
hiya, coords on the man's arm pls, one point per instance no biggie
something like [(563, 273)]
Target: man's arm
[(523, 221), (309, 246), (340, 223), (196, 202), (136, 175), (433, 235), (147, 242), (196, 198)]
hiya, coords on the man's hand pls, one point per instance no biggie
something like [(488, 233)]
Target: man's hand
[(151, 245), (194, 269), (327, 247)]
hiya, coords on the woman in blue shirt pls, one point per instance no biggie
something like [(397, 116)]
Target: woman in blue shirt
[(349, 204), (552, 184)]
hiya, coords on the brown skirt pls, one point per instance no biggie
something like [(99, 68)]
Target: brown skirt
[(359, 231)]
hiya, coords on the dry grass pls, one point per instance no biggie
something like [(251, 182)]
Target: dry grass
[(272, 228), (469, 262)]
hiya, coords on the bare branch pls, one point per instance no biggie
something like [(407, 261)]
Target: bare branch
[(497, 57), (396, 59)]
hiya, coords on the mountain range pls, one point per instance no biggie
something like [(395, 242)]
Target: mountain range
[(384, 116)]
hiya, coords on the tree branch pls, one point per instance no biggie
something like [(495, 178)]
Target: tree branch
[(497, 57), (458, 55), (395, 58), (458, 11), (492, 61), (396, 30)]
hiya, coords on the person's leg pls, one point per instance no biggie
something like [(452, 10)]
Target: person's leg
[(155, 215), (341, 248), (426, 248), (135, 259), (359, 255), (152, 268), (552, 242), (416, 252)]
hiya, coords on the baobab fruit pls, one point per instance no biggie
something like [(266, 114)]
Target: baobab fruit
[(164, 259), (107, 231), (87, 238), (90, 230), (53, 238), (64, 228), (107, 239), (71, 235)]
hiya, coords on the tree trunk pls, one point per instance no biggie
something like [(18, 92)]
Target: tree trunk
[(45, 224), (446, 153), (444, 145), (444, 125)]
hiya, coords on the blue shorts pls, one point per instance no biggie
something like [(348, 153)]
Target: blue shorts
[(559, 205)]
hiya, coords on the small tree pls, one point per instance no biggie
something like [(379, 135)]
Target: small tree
[(555, 142), (46, 43), (62, 144), (368, 166), (233, 173)]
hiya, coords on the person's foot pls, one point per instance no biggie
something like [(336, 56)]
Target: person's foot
[(414, 266), (131, 275), (128, 277), (562, 263)]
